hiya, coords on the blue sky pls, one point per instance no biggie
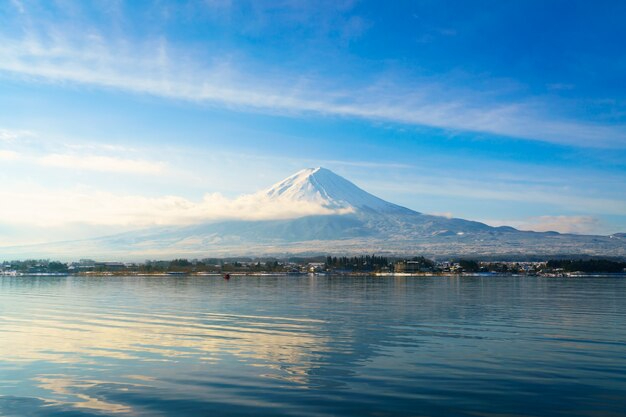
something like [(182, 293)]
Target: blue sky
[(114, 115)]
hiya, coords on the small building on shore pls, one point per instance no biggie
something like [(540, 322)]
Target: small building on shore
[(110, 266), (411, 267)]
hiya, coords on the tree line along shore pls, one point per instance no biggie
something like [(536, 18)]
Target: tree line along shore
[(365, 264)]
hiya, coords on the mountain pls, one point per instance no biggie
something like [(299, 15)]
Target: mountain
[(325, 188), (350, 220)]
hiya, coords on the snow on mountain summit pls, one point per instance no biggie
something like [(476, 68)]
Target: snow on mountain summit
[(317, 211), (327, 189)]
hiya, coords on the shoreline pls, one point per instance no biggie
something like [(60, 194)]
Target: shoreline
[(329, 274)]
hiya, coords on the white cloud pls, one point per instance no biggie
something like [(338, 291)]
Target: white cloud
[(362, 164), (8, 155), (562, 224), (101, 163), (12, 135), (551, 195), (77, 155), (446, 214), (119, 64), (53, 208), (99, 147)]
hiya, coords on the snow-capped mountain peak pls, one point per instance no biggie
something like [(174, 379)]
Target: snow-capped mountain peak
[(317, 211), (323, 187)]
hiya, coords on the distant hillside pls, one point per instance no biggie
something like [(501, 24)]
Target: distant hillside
[(365, 224)]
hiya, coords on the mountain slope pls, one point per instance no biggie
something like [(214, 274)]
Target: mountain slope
[(327, 189), (360, 222)]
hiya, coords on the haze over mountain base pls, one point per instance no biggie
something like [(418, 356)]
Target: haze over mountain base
[(354, 221)]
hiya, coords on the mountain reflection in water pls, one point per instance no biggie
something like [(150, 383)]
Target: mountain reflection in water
[(169, 346)]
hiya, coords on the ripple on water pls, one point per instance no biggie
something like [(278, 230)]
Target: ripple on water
[(169, 346)]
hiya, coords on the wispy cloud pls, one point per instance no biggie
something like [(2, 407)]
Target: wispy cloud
[(366, 164), (507, 191), (97, 207), (101, 163), (562, 224), (7, 135), (445, 214), (82, 156), (6, 155), (157, 68), (98, 147)]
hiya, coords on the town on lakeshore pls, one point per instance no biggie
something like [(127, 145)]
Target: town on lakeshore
[(319, 265)]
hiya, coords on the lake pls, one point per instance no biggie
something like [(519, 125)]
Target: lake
[(312, 346)]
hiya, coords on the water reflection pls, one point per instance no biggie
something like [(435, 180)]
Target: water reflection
[(88, 338), (74, 394), (311, 346)]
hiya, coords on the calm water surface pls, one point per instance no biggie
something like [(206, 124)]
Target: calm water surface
[(312, 346)]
